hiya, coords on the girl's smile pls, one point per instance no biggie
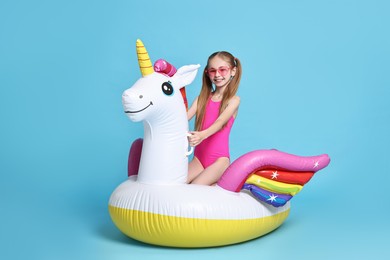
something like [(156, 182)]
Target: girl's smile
[(219, 72)]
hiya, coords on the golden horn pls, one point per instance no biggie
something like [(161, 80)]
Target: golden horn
[(144, 62)]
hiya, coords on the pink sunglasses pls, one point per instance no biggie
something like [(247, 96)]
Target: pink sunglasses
[(221, 71)]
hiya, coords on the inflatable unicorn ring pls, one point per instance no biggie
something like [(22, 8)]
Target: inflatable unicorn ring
[(156, 206)]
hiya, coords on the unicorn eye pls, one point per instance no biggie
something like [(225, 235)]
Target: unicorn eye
[(167, 88)]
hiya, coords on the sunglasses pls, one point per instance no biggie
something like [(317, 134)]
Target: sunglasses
[(223, 71)]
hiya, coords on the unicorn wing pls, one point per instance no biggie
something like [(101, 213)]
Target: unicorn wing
[(272, 176), (272, 189)]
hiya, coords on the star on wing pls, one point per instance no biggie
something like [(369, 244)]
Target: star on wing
[(316, 164), (275, 175), (272, 197)]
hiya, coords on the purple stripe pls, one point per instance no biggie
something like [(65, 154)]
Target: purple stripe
[(272, 198)]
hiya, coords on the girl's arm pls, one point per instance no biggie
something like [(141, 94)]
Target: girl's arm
[(192, 111), (231, 110)]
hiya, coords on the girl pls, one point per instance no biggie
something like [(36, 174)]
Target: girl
[(216, 109)]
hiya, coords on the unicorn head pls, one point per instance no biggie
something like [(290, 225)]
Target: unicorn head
[(155, 94), (156, 100)]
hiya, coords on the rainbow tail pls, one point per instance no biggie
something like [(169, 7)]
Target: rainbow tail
[(272, 176), (276, 187)]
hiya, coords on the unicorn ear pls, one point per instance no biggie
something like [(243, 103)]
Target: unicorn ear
[(185, 75)]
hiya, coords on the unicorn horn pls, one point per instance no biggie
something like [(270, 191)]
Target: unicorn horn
[(144, 62)]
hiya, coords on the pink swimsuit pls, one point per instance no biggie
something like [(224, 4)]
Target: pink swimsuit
[(216, 145)]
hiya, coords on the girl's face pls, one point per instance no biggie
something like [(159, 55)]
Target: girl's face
[(220, 72)]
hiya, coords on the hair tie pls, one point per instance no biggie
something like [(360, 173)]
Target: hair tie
[(235, 61)]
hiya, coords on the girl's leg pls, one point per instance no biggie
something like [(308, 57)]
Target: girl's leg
[(194, 169), (211, 174)]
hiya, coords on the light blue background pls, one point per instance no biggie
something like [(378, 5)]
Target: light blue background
[(316, 80)]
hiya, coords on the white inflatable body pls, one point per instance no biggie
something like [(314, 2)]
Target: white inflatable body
[(156, 206), (191, 215)]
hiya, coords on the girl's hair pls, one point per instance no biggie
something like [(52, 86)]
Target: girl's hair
[(207, 87)]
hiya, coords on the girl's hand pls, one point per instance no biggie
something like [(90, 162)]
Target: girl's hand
[(196, 138)]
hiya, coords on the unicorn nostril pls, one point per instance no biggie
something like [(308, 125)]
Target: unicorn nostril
[(140, 96)]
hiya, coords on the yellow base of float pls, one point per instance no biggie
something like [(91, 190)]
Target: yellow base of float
[(191, 215), (187, 232)]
